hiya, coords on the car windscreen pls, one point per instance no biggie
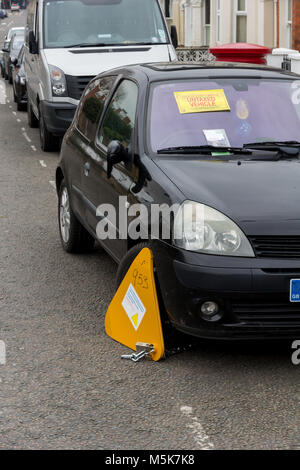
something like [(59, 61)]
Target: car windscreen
[(14, 31), (17, 43), (92, 22), (223, 112)]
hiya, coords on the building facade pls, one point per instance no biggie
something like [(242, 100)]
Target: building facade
[(200, 23)]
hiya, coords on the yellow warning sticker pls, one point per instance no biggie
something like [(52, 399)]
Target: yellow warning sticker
[(201, 101)]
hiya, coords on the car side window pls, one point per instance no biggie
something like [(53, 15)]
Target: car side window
[(92, 104), (119, 119)]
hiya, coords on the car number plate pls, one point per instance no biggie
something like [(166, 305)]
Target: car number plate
[(295, 290)]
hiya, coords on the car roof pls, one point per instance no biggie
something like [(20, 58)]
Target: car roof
[(184, 70)]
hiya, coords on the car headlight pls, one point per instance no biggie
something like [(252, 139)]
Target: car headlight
[(201, 228), (58, 81)]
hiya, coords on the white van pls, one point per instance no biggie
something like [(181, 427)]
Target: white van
[(68, 42)]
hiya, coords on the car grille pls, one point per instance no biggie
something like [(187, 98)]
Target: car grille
[(276, 246), (264, 312), (76, 85)]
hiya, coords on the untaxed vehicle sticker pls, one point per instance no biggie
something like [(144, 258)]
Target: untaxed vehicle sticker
[(201, 101)]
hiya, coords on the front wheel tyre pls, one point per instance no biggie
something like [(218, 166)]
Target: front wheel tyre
[(32, 120), (74, 237), (49, 142), (173, 339)]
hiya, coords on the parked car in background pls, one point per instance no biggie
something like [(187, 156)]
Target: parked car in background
[(14, 30), (19, 81), (76, 40), (1, 64), (3, 14), (220, 145), (15, 7), (5, 50), (11, 54)]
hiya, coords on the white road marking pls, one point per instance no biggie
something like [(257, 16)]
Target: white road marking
[(18, 120), (43, 164), (23, 129), (26, 137), (52, 184), (2, 96), (33, 147), (196, 428), (14, 113)]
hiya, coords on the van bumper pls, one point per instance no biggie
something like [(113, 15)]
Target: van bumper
[(58, 116)]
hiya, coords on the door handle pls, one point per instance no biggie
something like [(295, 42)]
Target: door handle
[(86, 169)]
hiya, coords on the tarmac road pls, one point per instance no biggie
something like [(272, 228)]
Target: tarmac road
[(64, 384)]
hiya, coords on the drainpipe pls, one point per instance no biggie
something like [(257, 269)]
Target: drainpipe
[(275, 24)]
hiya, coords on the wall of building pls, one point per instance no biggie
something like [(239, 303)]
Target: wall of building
[(267, 22), (296, 25)]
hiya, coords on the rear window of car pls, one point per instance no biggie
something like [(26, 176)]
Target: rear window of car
[(228, 112)]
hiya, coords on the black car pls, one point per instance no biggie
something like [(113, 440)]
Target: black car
[(216, 149), (11, 51), (3, 14), (19, 81)]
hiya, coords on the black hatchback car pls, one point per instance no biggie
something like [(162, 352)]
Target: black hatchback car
[(214, 149), (19, 81), (11, 51)]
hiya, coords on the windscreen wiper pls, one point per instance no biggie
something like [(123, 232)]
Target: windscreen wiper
[(204, 149), (290, 148), (86, 44)]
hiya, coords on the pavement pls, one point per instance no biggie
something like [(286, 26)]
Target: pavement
[(64, 385)]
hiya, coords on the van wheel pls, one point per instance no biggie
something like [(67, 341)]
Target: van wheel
[(20, 107), (172, 338), (49, 142), (32, 120), (74, 237)]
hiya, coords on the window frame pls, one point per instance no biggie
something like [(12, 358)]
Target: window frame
[(91, 141), (206, 26), (218, 22), (289, 23), (100, 146), (239, 13)]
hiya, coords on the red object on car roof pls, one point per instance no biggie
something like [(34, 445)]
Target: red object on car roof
[(241, 52)]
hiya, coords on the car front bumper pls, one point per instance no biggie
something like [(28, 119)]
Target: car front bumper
[(252, 294), (58, 116)]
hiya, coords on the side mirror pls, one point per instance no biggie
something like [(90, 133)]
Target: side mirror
[(174, 36), (33, 47), (116, 153)]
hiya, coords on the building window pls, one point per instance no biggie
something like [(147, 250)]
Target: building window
[(218, 21), (289, 22), (167, 9), (240, 14), (206, 22)]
